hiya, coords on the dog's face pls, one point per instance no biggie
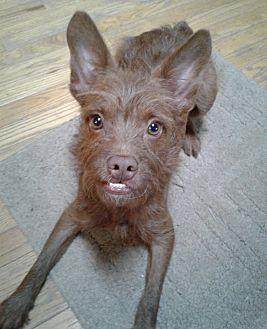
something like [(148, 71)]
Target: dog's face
[(133, 121), (129, 138)]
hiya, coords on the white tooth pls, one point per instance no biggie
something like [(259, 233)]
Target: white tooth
[(117, 185)]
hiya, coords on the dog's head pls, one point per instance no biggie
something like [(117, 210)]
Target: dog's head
[(133, 120)]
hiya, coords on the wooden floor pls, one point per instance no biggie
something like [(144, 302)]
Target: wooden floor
[(34, 96)]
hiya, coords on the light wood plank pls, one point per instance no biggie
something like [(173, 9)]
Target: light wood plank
[(5, 219)]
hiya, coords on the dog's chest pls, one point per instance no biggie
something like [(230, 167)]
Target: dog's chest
[(117, 234)]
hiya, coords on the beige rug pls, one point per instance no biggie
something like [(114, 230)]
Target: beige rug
[(217, 276)]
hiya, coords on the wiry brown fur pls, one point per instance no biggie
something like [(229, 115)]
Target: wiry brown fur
[(165, 75)]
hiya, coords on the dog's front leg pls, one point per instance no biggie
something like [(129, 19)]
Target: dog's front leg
[(14, 310), (160, 251)]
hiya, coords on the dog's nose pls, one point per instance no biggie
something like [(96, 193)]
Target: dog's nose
[(122, 168)]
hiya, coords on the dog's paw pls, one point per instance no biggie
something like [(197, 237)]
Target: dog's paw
[(191, 145), (13, 314)]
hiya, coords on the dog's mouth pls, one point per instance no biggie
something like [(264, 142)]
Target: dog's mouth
[(117, 188)]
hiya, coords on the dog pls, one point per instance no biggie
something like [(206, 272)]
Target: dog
[(138, 110)]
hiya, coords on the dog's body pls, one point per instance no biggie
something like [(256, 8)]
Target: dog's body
[(137, 112)]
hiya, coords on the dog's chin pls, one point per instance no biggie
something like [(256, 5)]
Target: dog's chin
[(120, 195)]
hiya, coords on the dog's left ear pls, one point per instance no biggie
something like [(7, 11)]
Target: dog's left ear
[(180, 70), (88, 51)]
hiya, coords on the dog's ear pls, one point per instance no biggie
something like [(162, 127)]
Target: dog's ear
[(181, 69), (88, 53)]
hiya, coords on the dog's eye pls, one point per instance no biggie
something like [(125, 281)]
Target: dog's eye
[(97, 122), (154, 128)]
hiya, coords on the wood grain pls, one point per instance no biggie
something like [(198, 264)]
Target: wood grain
[(34, 95)]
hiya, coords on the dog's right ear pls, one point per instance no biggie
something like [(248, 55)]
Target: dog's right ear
[(88, 53)]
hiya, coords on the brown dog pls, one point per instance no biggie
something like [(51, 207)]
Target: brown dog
[(137, 111)]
